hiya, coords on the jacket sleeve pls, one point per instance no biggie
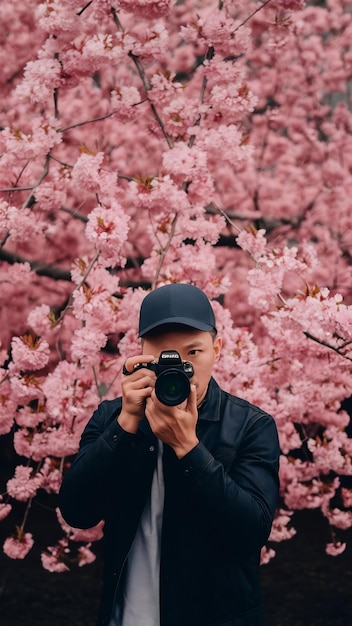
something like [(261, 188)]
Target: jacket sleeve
[(242, 500), (105, 455)]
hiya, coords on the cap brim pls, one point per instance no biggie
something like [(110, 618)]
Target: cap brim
[(184, 321)]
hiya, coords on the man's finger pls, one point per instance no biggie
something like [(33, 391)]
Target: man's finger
[(130, 363)]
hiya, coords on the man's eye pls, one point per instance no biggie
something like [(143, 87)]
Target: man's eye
[(193, 352)]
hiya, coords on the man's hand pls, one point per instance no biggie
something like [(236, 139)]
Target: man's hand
[(136, 388), (174, 425)]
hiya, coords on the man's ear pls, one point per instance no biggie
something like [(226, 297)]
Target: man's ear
[(217, 348)]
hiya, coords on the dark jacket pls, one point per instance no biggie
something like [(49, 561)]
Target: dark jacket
[(219, 505)]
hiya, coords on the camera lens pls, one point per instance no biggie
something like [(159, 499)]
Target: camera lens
[(172, 387)]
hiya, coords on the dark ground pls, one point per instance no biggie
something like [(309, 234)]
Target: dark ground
[(302, 586)]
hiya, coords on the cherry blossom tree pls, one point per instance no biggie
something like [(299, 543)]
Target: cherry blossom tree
[(145, 142)]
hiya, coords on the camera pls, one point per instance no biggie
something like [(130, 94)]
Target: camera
[(172, 384)]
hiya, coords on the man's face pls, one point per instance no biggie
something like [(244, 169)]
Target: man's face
[(195, 346)]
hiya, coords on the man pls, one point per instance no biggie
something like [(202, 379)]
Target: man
[(188, 491)]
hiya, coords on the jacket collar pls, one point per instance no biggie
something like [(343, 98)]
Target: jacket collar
[(209, 410)]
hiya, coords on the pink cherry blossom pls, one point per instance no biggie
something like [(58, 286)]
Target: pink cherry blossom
[(160, 195), (227, 142), (19, 224), (219, 29), (107, 228), (102, 48), (23, 486), (266, 555), (97, 308), (40, 76), (280, 531), (56, 442), (68, 403), (336, 548), (61, 18), (85, 555), (149, 9), (28, 353), (86, 345), (253, 241), (124, 99), (128, 345), (153, 44), (86, 170), (17, 273), (51, 476), (53, 559), (186, 162), (8, 405), (39, 138), (339, 519), (51, 563), (347, 497), (5, 510), (25, 388), (40, 319), (18, 547)]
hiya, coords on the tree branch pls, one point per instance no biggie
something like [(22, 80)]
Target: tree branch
[(79, 13), (37, 266), (327, 345), (164, 250), (57, 273), (95, 119), (38, 182), (144, 78), (252, 14)]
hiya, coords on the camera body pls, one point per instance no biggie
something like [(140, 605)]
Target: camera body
[(172, 385)]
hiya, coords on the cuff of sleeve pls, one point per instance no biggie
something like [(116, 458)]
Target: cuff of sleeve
[(196, 461), (115, 436)]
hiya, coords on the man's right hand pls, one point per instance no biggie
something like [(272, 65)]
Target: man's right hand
[(136, 388)]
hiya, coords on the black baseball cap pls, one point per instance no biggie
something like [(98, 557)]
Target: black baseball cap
[(177, 303)]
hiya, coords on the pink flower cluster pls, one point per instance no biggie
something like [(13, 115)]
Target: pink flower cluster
[(107, 228), (18, 547), (29, 354), (5, 509), (22, 486)]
